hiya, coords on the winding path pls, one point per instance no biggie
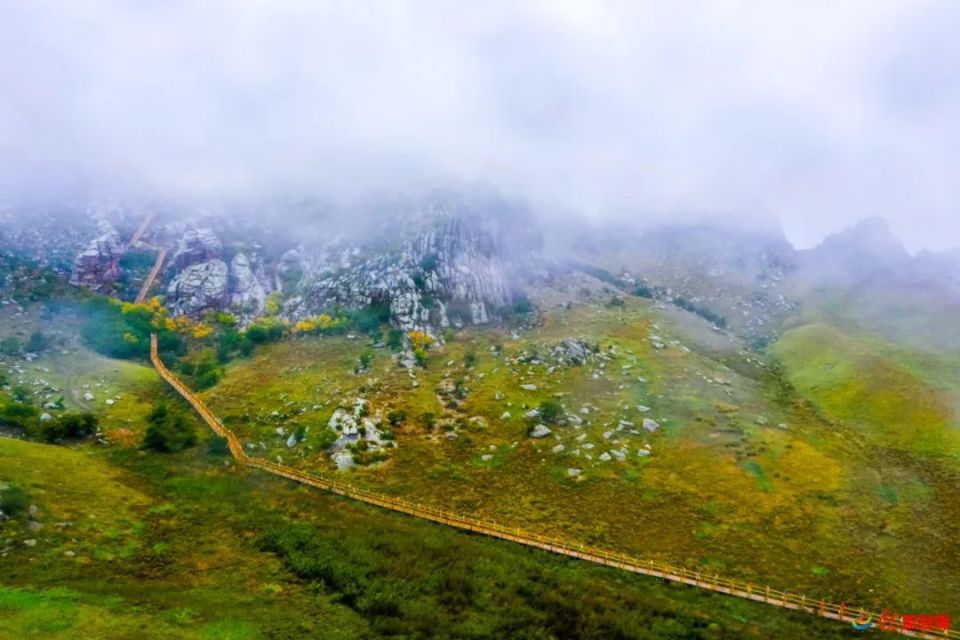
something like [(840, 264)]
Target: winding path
[(846, 613)]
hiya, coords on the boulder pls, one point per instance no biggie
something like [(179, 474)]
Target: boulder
[(196, 246), (540, 431), (97, 266), (199, 288), (343, 459), (650, 425)]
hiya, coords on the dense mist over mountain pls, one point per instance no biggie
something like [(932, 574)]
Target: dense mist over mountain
[(818, 113)]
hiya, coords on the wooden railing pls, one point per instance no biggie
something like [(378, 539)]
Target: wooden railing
[(701, 580), (154, 270)]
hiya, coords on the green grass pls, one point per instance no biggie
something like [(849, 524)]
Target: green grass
[(838, 503), (782, 499)]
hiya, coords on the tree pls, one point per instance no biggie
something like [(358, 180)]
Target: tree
[(168, 431)]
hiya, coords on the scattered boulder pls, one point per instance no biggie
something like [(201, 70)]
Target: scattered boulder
[(343, 459), (650, 425), (540, 431)]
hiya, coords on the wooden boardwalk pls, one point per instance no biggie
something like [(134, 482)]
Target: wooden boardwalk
[(711, 582), (154, 271)]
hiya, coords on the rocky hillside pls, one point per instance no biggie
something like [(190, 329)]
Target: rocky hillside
[(456, 259), (424, 263)]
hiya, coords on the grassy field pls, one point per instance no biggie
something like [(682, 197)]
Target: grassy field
[(184, 546), (751, 475), (776, 469)]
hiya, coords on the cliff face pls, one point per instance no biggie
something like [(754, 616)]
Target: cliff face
[(449, 266), (203, 280), (425, 263)]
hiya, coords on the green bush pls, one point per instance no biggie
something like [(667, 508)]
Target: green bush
[(396, 417), (19, 415), (369, 320), (217, 446), (643, 291), (68, 426), (13, 500), (428, 420), (209, 379), (263, 331), (168, 430), (10, 346), (551, 411), (395, 339), (327, 438), (38, 342)]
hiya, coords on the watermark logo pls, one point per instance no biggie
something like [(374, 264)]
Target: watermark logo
[(903, 622), (863, 623)]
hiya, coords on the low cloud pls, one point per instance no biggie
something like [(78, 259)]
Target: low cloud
[(818, 112)]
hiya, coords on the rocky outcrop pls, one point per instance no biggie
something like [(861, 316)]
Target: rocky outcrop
[(196, 246), (199, 288), (248, 287), (440, 265), (97, 266)]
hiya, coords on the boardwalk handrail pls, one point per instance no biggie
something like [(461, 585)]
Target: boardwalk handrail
[(154, 270), (797, 602)]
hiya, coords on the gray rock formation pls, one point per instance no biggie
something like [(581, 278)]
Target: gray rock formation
[(199, 288), (196, 246), (97, 266), (431, 266), (248, 286)]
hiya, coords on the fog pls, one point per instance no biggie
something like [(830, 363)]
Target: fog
[(818, 112)]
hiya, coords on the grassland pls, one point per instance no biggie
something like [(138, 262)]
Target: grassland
[(751, 474), (184, 546), (763, 469)]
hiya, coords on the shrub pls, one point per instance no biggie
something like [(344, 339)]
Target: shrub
[(397, 416), (429, 262), (370, 319), (551, 411), (19, 416), (364, 361), (395, 339), (69, 425), (470, 359), (38, 342), (217, 446), (522, 305), (168, 430), (9, 346), (327, 438), (13, 500), (429, 420), (643, 291), (209, 379), (264, 330)]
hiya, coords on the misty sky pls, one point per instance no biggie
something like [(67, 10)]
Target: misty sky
[(821, 112)]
